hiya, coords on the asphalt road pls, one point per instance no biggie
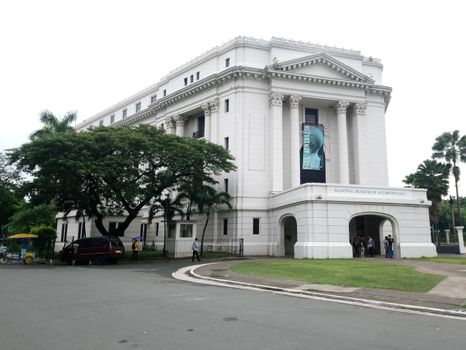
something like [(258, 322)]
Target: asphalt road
[(143, 307)]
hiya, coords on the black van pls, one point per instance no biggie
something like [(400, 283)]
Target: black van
[(95, 249)]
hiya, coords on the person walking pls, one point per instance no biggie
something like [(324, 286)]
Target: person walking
[(135, 249), (195, 249), (370, 246)]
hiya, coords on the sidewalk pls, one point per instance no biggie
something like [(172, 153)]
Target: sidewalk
[(450, 294)]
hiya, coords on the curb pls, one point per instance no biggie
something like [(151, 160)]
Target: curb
[(457, 314)]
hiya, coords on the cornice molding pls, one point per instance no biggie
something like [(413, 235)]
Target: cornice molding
[(238, 72), (241, 41)]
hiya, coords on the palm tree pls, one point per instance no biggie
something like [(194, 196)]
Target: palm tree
[(207, 200), (169, 208), (53, 125), (451, 147), (432, 176)]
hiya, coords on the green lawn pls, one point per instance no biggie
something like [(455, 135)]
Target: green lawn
[(356, 273), (450, 260)]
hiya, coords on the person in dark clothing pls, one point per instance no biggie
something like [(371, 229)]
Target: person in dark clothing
[(370, 246), (195, 248), (356, 246)]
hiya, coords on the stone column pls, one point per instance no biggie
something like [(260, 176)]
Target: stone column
[(170, 126), (295, 173), (459, 231), (447, 235), (359, 111), (276, 111), (214, 120), (180, 122), (342, 142), (206, 109)]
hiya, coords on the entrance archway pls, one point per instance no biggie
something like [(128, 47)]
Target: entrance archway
[(376, 226), (290, 234)]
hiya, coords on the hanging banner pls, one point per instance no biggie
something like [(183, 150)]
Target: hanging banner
[(312, 148)]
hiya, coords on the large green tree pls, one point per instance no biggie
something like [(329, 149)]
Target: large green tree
[(10, 181), (54, 125), (433, 176), (115, 171), (27, 215), (451, 147)]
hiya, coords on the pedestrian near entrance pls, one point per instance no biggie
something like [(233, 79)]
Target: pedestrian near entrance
[(195, 249), (135, 249), (390, 242), (356, 246), (370, 246), (362, 249)]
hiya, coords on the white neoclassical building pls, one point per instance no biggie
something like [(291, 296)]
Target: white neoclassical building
[(306, 125)]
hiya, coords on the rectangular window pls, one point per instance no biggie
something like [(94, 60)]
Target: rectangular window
[(112, 226), (125, 113), (225, 227), (153, 99), (64, 232), (225, 182), (162, 126), (185, 81), (311, 116), (138, 107), (198, 75), (171, 230), (255, 226), (192, 78), (227, 62), (227, 143), (80, 226), (157, 229), (200, 127), (143, 232), (101, 123), (112, 119), (186, 230), (164, 93), (227, 105)]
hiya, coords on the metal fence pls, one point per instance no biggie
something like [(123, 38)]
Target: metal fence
[(181, 247)]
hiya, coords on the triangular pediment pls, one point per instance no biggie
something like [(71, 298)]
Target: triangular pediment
[(321, 65)]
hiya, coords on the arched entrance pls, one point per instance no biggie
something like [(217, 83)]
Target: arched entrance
[(373, 225), (290, 234)]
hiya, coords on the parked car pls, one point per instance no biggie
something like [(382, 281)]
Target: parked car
[(95, 249)]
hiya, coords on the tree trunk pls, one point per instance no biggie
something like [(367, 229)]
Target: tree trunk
[(203, 234), (460, 220)]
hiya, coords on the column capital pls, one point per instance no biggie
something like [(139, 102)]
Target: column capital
[(360, 108), (179, 119), (213, 104), (276, 99), (170, 122), (342, 106), (205, 107), (294, 101)]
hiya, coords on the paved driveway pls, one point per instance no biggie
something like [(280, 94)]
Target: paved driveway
[(142, 306)]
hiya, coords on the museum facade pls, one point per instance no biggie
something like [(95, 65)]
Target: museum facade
[(306, 125)]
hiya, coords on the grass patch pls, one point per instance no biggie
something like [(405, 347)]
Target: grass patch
[(449, 260), (355, 273)]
